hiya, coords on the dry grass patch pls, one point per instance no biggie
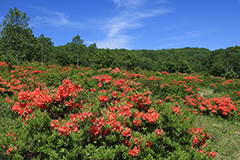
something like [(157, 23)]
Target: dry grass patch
[(205, 92)]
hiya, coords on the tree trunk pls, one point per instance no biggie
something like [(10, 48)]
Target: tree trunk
[(16, 54), (17, 58), (78, 61), (42, 53)]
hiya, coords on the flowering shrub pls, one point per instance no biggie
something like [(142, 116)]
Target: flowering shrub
[(220, 106), (67, 113)]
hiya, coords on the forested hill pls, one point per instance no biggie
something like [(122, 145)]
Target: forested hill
[(222, 62), (18, 44)]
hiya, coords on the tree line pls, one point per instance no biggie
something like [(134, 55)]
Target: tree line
[(18, 44)]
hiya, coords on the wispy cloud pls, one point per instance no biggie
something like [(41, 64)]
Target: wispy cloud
[(130, 17), (53, 18), (176, 26), (238, 1), (129, 3), (188, 35), (119, 41)]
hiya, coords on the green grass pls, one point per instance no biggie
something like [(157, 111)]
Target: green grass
[(7, 117), (225, 136)]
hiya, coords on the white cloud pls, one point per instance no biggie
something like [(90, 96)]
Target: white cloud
[(129, 3), (53, 18), (119, 41), (162, 1), (188, 35), (176, 26), (131, 17)]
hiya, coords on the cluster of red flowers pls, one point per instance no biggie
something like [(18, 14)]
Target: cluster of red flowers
[(116, 70), (199, 141), (213, 85), (133, 152), (64, 129), (166, 73), (65, 69), (35, 72), (3, 64), (103, 99), (177, 109), (223, 105), (103, 78), (141, 100), (41, 98), (199, 138), (9, 149)]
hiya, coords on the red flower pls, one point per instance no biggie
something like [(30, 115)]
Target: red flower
[(127, 143), (159, 131), (103, 99), (137, 122), (148, 144), (114, 94), (134, 152), (99, 85), (176, 109), (55, 124), (63, 130), (127, 132), (212, 154)]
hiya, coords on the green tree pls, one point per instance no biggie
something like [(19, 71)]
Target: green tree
[(230, 74), (45, 46), (76, 47), (92, 49), (130, 61), (184, 66), (104, 58), (218, 69), (16, 35), (1, 49)]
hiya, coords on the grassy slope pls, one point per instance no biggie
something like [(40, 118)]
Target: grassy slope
[(224, 135)]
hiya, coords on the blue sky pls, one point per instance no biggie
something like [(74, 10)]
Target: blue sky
[(134, 24)]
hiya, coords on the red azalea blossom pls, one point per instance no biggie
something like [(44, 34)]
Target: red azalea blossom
[(127, 132), (133, 152), (159, 131), (114, 94), (148, 144), (212, 154), (103, 99)]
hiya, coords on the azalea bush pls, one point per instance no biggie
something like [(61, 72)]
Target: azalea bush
[(73, 113), (218, 106)]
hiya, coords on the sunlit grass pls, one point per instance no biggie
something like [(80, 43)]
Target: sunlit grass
[(7, 116), (225, 136)]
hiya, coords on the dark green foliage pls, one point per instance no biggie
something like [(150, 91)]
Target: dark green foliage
[(16, 37), (104, 59)]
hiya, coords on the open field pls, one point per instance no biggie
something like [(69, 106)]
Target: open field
[(69, 112)]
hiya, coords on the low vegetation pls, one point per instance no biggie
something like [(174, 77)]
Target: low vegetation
[(79, 113)]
